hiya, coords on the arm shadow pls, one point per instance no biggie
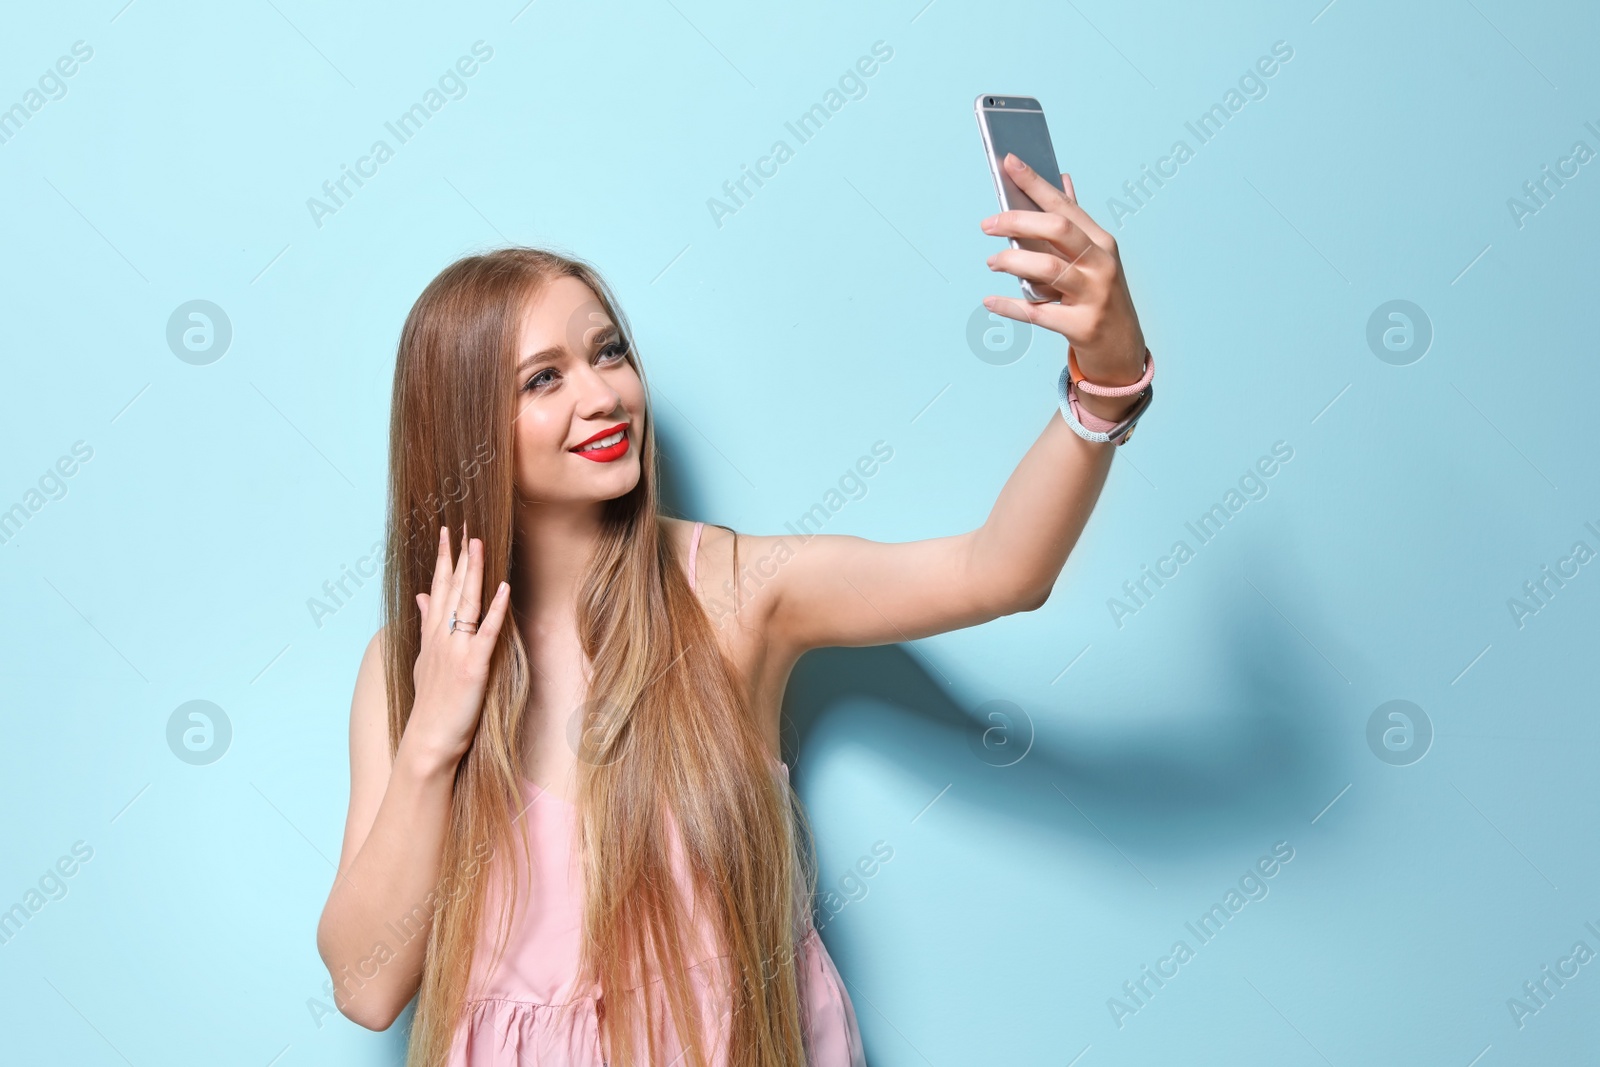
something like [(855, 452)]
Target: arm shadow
[(1178, 775)]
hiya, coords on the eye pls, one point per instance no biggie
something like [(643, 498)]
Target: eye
[(615, 350)]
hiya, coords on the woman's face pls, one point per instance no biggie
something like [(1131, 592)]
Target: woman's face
[(575, 384)]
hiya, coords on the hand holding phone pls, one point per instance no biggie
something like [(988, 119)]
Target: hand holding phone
[(1069, 268), (1015, 124)]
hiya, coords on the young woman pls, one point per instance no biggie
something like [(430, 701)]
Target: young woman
[(572, 837)]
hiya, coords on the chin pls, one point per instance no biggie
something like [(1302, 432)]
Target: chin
[(625, 481)]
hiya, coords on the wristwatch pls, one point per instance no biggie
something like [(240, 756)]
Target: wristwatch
[(1119, 434)]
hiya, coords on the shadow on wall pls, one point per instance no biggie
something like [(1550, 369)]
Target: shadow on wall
[(1180, 776)]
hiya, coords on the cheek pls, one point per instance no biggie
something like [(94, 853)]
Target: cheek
[(540, 434), (631, 390), (538, 423)]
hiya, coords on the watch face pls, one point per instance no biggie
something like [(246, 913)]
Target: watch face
[(1137, 413)]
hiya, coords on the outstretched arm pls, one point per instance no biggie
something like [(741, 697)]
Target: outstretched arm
[(844, 590)]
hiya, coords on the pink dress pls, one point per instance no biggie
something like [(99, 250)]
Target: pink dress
[(529, 1008)]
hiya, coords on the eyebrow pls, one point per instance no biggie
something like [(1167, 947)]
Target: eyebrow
[(547, 355)]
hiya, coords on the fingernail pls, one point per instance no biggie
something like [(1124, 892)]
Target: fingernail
[(990, 261)]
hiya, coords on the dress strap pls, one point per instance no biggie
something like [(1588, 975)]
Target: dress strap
[(694, 550)]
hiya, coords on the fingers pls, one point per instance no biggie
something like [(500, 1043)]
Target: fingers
[(1021, 310), (458, 587), (1072, 321), (458, 579), (1097, 233), (1055, 201), (441, 568), (472, 590), (1058, 230), (1052, 272), (489, 628), (1030, 181)]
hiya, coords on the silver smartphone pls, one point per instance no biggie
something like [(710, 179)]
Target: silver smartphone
[(1016, 124)]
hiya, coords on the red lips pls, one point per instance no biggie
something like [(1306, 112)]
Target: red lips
[(609, 453)]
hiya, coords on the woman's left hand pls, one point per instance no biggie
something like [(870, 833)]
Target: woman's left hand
[(1095, 313)]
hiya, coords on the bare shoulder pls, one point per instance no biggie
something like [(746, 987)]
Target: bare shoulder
[(736, 575), (371, 685), (677, 532), (738, 602), (738, 578)]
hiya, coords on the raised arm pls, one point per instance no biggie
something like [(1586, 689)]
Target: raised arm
[(373, 933), (843, 590)]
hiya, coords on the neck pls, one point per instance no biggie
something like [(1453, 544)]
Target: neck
[(554, 544)]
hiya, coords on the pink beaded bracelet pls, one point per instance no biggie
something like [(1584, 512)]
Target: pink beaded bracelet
[(1111, 390)]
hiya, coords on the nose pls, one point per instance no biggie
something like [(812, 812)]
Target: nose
[(596, 397)]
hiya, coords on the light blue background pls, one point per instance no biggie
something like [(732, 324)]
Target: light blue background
[(827, 314)]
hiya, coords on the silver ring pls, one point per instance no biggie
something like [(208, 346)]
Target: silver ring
[(462, 626)]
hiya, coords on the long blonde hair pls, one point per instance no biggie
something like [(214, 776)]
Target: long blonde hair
[(667, 729)]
